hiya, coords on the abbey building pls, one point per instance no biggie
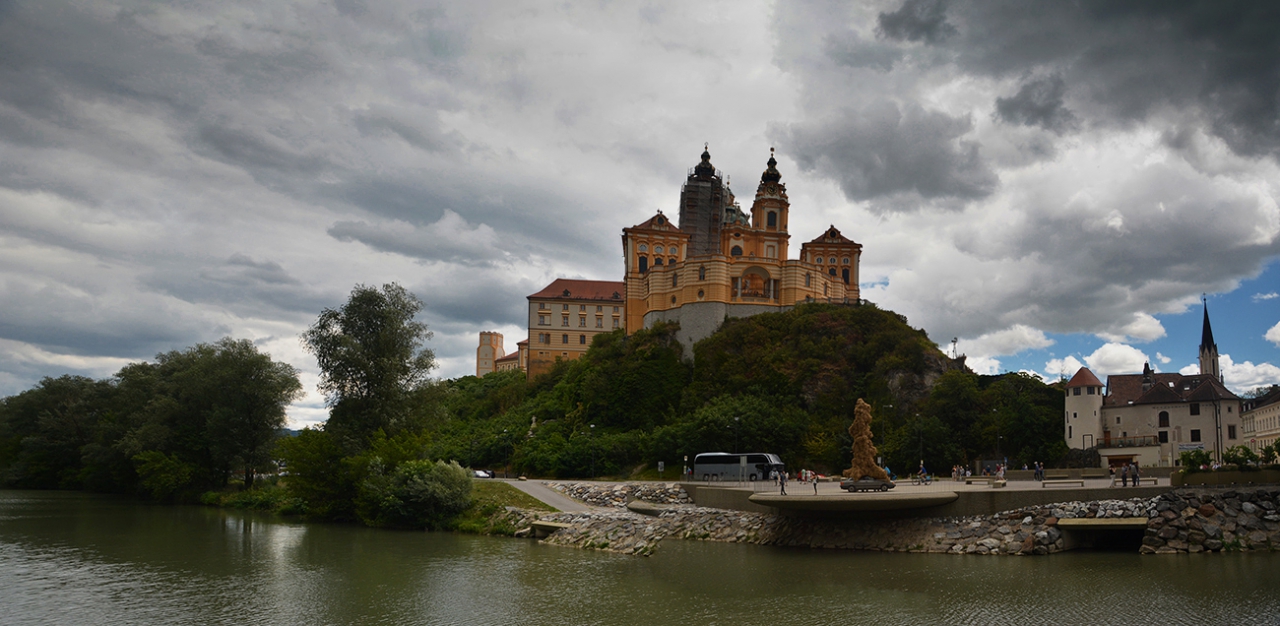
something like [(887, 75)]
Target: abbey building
[(716, 261), (720, 261)]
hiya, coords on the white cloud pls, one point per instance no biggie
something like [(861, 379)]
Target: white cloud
[(1009, 341), (1273, 335), (1242, 377), (983, 365), (1164, 360), (1116, 358), (1066, 367), (1142, 327), (1258, 297)]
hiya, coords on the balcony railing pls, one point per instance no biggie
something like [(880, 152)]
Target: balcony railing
[(1129, 442)]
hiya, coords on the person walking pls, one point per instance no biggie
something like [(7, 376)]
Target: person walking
[(1136, 480), (782, 481), (1124, 475), (814, 477)]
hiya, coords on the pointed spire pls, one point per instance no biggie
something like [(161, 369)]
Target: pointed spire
[(1206, 333), (1208, 349)]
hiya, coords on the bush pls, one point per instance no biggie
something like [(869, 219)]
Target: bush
[(1194, 460), (416, 494), (1240, 456)]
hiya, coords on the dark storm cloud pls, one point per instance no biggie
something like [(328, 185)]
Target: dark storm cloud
[(917, 20), (887, 149), (239, 284), (1038, 102), (851, 50), (450, 240), (1215, 62)]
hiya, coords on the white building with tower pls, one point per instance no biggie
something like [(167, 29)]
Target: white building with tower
[(1151, 418)]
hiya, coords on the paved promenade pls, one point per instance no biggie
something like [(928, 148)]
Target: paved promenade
[(547, 495)]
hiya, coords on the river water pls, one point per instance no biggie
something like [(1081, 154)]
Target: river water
[(68, 558)]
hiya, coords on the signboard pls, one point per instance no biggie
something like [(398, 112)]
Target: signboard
[(661, 466), (1190, 446)]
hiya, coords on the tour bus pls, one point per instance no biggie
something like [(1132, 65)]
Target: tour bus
[(729, 466)]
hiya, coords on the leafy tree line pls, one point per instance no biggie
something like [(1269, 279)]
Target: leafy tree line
[(393, 449), (188, 422), (783, 383)]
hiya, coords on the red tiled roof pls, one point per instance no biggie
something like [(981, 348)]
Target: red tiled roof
[(570, 289), (1084, 378), (522, 342), (510, 357), (1124, 389)]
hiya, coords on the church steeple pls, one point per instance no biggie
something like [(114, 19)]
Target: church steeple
[(1208, 349)]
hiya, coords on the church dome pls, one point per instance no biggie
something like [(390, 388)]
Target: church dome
[(771, 174), (705, 168)]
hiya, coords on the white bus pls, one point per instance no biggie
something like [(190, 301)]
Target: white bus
[(729, 466)]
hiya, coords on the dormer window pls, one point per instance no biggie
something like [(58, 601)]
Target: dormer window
[(644, 247), (658, 250)]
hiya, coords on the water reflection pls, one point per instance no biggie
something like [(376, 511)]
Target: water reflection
[(79, 559)]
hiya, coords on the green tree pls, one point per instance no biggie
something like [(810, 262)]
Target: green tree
[(213, 408), (372, 363), (1239, 455), (43, 431)]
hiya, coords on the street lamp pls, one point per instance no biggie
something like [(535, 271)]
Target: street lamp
[(506, 461), (736, 432), (592, 440), (920, 432)]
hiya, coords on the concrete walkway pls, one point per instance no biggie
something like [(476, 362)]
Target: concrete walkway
[(547, 495)]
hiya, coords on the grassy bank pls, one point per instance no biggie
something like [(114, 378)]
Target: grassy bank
[(489, 499)]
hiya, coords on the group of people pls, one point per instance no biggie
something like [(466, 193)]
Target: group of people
[(1128, 473), (1039, 470), (804, 476)]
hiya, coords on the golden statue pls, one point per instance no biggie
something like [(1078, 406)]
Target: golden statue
[(864, 452)]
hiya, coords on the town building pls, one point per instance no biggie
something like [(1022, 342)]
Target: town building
[(1151, 418), (518, 360), (566, 315), (1260, 420), (721, 262)]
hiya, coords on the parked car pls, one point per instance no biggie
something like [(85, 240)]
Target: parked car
[(482, 474), (866, 483)]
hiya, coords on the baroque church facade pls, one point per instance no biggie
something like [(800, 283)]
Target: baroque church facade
[(715, 262), (719, 261)]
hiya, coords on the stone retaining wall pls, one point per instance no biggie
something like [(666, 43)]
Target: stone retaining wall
[(1182, 521), (1203, 520)]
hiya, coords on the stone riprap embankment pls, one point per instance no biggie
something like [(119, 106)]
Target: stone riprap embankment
[(1209, 521), (617, 495), (1182, 521)]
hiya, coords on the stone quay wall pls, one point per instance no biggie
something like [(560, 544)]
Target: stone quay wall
[(1204, 520), (1181, 521)]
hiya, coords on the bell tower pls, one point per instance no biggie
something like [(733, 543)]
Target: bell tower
[(770, 211), (1208, 349)]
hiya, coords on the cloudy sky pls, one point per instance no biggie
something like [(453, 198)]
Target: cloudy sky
[(1054, 183)]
